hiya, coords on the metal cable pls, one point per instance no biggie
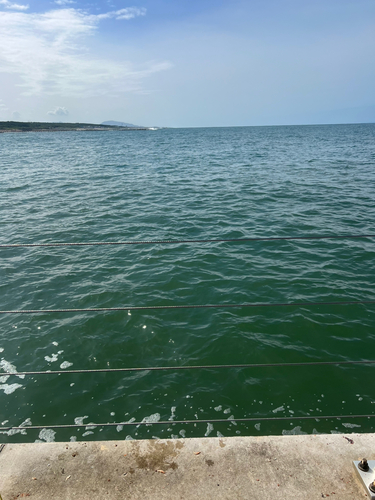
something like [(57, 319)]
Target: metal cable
[(175, 242), (179, 422), (191, 367), (191, 306)]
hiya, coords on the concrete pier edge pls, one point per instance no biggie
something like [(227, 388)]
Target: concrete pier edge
[(256, 468)]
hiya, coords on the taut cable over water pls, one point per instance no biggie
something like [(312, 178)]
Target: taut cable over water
[(176, 242), (191, 367), (197, 421), (190, 306)]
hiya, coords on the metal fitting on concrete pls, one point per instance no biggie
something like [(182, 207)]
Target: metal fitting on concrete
[(363, 465), (371, 486)]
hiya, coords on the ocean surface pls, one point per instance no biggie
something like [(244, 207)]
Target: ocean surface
[(179, 184)]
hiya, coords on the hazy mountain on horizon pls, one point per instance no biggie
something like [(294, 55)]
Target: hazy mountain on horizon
[(120, 124)]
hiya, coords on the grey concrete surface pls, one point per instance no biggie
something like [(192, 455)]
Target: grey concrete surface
[(255, 468)]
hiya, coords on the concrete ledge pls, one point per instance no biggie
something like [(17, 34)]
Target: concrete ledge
[(255, 468)]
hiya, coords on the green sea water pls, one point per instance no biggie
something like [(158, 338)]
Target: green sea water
[(187, 184)]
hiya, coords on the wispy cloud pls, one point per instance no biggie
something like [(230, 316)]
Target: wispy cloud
[(47, 51), (128, 13), (64, 2), (15, 6)]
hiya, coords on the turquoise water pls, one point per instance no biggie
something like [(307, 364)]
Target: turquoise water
[(187, 184)]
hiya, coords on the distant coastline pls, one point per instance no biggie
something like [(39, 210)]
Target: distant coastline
[(16, 127)]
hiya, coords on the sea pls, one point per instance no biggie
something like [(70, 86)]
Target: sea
[(176, 185)]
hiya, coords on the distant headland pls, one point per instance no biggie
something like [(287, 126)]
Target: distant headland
[(12, 126)]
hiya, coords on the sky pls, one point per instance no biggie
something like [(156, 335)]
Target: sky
[(188, 63)]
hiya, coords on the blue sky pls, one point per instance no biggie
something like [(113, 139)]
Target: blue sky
[(188, 63)]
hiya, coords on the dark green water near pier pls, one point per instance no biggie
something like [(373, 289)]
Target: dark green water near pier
[(187, 184)]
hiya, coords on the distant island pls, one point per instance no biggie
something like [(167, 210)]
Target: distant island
[(11, 126)]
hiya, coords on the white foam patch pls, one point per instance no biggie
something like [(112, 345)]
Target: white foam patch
[(90, 427), (1, 349), (227, 410), (87, 433), (47, 435), (173, 413), (73, 439), (182, 433), (280, 408), (119, 428), (210, 428), (155, 417), (296, 431), (65, 364), (12, 432), (52, 359), (55, 344), (79, 420), (218, 408), (9, 368), (10, 388), (351, 426), (232, 420), (129, 438), (219, 434), (257, 426)]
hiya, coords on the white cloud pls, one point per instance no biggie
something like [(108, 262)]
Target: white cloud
[(58, 111), (128, 13), (48, 54), (14, 6), (64, 2)]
